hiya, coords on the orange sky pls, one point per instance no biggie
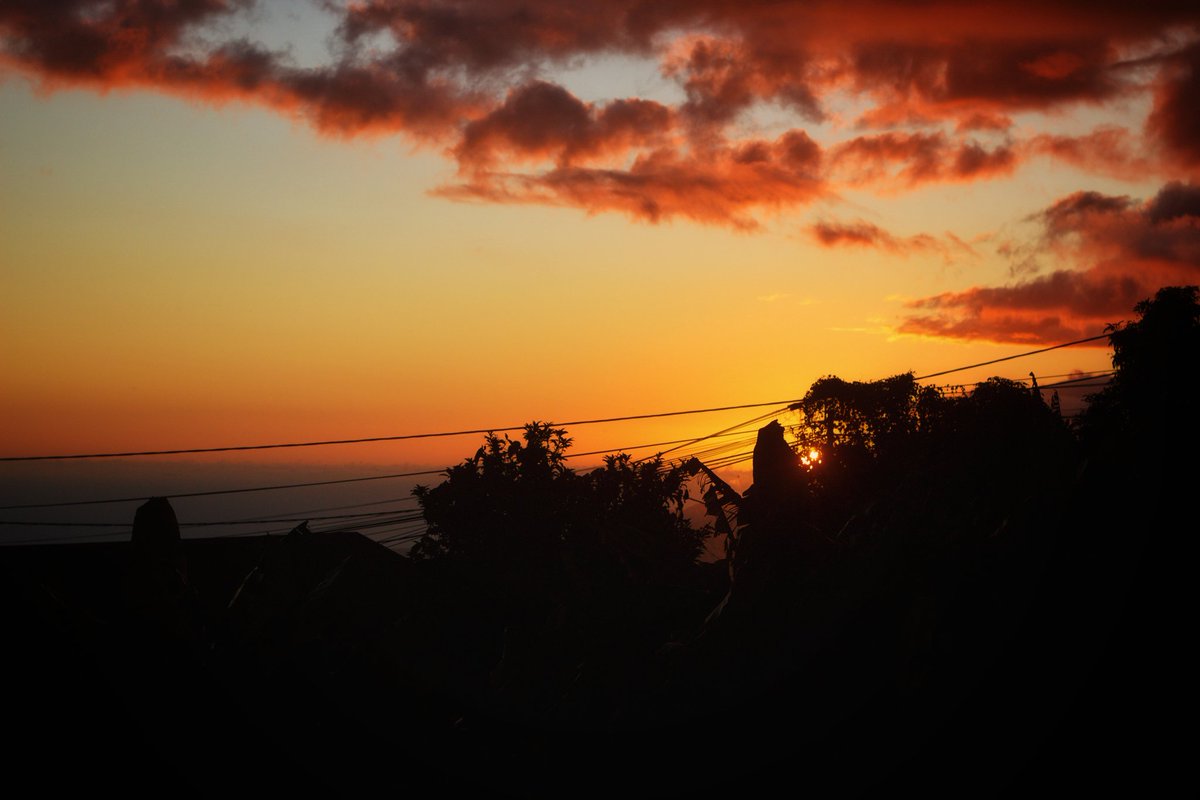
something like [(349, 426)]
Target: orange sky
[(226, 223)]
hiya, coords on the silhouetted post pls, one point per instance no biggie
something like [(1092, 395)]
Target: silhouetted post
[(156, 538), (776, 468), (773, 511), (157, 588)]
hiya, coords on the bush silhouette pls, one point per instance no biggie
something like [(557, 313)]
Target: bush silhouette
[(1154, 387), (516, 503)]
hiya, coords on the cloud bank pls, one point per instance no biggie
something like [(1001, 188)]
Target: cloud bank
[(937, 83), (1116, 251), (888, 96)]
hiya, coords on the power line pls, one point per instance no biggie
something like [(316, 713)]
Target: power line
[(1044, 387), (180, 495), (67, 539), (402, 437), (207, 523), (342, 508), (723, 449), (1010, 358), (924, 377), (75, 538), (1074, 377), (730, 461), (732, 428), (1079, 373), (400, 538), (500, 429), (637, 447), (394, 516), (400, 526), (214, 492), (397, 531), (1074, 383), (265, 518), (368, 525), (679, 443)]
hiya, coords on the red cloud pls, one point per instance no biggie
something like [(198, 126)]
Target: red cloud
[(1122, 251), (483, 36), (1175, 120), (542, 120), (723, 77), (105, 43), (1106, 151), (997, 327), (716, 185), (139, 43), (468, 76), (966, 78), (914, 158), (866, 234)]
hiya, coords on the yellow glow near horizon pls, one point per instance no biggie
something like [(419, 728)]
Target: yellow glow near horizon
[(234, 279)]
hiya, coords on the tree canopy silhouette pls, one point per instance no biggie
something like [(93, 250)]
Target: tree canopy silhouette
[(864, 416), (516, 502), (1155, 383)]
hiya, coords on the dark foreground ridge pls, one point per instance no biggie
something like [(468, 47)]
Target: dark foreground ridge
[(965, 597)]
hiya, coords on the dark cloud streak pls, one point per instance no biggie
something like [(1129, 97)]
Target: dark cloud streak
[(864, 234)]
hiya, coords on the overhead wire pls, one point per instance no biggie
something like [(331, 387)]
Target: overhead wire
[(395, 438), (1076, 377), (719, 453), (399, 539), (925, 377), (177, 495), (751, 421), (715, 452), (65, 539), (1100, 385), (397, 532), (1081, 373), (411, 525), (730, 458), (1010, 358), (204, 524), (1075, 382), (215, 492), (341, 508)]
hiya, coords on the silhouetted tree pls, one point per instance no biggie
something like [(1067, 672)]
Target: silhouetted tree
[(638, 513), (1154, 387), (510, 500), (516, 502), (864, 431), (580, 577), (860, 415), (905, 461)]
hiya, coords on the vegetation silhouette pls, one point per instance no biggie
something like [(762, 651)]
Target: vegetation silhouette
[(516, 502), (577, 571), (963, 593), (1154, 358)]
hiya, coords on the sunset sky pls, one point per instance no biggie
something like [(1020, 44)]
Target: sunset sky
[(228, 222)]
